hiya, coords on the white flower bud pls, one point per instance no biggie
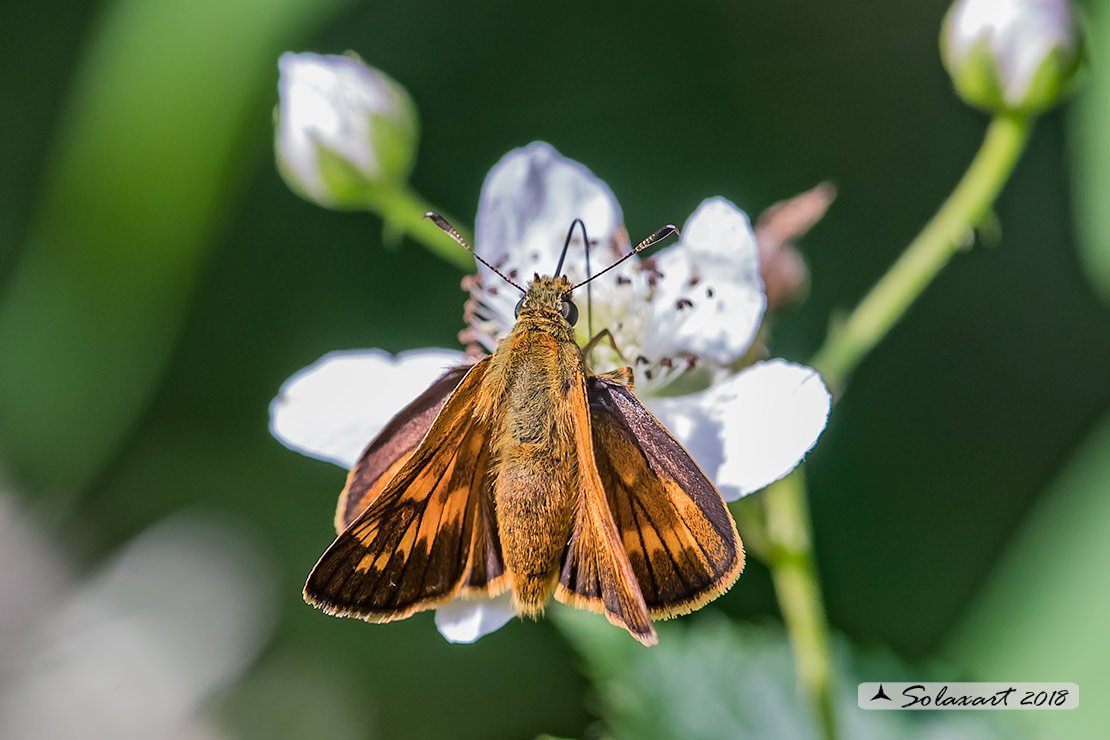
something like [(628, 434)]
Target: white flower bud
[(1016, 55), (344, 129)]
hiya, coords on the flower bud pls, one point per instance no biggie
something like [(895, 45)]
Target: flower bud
[(1015, 55), (344, 130), (784, 271)]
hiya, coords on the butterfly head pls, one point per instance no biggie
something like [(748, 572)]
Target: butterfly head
[(550, 295)]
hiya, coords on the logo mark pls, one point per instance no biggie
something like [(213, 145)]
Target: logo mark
[(880, 694)]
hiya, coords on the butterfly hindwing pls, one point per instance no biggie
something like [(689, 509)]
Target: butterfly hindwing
[(387, 453), (679, 536), (429, 535)]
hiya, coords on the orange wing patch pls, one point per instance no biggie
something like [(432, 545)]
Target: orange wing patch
[(679, 536), (384, 457), (429, 536)]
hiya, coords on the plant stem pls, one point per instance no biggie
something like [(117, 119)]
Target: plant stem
[(794, 572), (848, 343), (403, 212), (788, 532)]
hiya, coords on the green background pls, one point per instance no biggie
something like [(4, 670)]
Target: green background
[(158, 282)]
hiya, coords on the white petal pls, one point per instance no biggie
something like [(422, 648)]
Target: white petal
[(465, 620), (709, 298), (751, 429), (691, 420), (772, 414), (529, 200), (333, 408)]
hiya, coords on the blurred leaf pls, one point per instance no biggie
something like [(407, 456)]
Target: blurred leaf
[(1090, 122), (147, 162), (171, 618), (292, 696), (1044, 614), (710, 678)]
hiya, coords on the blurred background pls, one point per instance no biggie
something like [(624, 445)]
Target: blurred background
[(158, 282)]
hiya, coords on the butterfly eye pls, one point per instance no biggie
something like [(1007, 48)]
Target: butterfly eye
[(516, 311), (569, 312)]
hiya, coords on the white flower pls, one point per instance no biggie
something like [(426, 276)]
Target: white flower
[(343, 128), (684, 319), (1011, 54), (695, 306)]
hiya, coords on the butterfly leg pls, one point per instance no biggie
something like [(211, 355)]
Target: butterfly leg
[(603, 334), (622, 375)]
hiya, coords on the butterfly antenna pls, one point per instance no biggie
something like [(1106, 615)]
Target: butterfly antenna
[(655, 238), (559, 269), (450, 230)]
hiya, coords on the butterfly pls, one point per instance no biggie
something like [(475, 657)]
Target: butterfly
[(526, 472)]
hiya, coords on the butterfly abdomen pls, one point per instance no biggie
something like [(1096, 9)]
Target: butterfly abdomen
[(537, 477)]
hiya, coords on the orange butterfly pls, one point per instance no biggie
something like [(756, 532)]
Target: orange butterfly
[(527, 472)]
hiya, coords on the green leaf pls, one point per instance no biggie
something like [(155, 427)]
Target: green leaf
[(711, 678), (1044, 614)]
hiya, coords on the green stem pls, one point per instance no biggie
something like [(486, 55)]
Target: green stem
[(403, 212), (794, 572), (788, 534), (937, 243), (751, 519)]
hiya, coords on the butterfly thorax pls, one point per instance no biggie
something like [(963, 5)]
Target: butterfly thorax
[(536, 483)]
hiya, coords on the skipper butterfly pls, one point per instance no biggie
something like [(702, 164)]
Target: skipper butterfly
[(526, 472)]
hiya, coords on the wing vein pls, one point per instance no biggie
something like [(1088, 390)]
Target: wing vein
[(643, 548), (663, 542), (435, 537), (690, 530), (414, 527)]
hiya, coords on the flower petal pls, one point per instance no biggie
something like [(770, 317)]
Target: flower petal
[(691, 420), (529, 200), (772, 414), (333, 408), (465, 620), (708, 298), (751, 429)]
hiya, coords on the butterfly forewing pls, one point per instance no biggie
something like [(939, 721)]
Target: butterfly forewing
[(389, 451), (597, 574), (674, 526), (429, 534)]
